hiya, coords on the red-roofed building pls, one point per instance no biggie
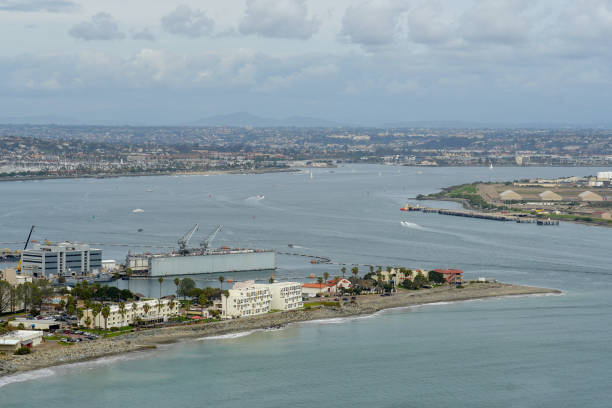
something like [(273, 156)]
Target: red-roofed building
[(330, 287), (452, 276)]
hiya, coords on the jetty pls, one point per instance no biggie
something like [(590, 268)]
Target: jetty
[(495, 216)]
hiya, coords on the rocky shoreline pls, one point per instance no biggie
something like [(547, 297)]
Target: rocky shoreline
[(148, 339)]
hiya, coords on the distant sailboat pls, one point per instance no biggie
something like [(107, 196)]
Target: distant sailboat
[(311, 176), (490, 166)]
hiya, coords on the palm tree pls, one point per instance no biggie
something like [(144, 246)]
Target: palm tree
[(325, 276), (88, 321), (146, 309), (203, 300), (343, 269), (122, 312), (105, 314), (96, 309), (160, 280), (355, 271), (171, 304), (159, 308), (79, 313), (134, 310), (177, 282), (221, 279)]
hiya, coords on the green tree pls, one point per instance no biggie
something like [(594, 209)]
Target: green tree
[(355, 272), (221, 279), (186, 285), (436, 277), (62, 305), (87, 321), (79, 313), (171, 304), (122, 312), (203, 301), (325, 276), (96, 309), (160, 280), (5, 296), (177, 281), (343, 269), (159, 306), (105, 315), (146, 309)]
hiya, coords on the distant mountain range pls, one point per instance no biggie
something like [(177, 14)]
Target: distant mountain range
[(244, 119)]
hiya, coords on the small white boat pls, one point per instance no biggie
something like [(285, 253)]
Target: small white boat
[(138, 211)]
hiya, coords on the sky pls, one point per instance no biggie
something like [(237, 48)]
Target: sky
[(349, 61)]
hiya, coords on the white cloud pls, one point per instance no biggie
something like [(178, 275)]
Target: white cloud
[(279, 19), (498, 21), (102, 27), (188, 22), (51, 6), (145, 34), (373, 22)]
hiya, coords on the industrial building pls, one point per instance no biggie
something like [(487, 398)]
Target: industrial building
[(61, 259)]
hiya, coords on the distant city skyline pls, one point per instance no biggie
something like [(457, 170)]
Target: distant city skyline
[(365, 62)]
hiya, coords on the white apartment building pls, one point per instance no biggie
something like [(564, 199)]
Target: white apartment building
[(286, 295), (246, 299), (159, 310)]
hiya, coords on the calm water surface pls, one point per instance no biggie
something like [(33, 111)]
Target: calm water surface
[(546, 351)]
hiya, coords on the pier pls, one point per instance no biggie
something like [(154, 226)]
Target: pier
[(495, 216)]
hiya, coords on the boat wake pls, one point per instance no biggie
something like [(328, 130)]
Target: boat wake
[(411, 225)]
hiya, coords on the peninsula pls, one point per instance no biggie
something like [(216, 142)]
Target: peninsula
[(358, 305)]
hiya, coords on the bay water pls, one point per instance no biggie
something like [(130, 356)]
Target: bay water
[(537, 351)]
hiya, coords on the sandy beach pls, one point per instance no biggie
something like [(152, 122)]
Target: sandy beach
[(147, 339)]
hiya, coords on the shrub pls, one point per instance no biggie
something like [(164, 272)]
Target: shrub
[(22, 350)]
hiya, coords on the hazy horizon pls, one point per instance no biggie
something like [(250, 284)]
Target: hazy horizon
[(370, 62)]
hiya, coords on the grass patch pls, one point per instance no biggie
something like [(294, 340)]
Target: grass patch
[(309, 305)]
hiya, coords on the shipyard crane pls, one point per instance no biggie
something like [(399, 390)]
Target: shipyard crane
[(24, 248), (183, 242), (205, 244)]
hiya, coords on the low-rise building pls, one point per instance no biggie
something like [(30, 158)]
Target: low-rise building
[(148, 311), (10, 342), (286, 295), (246, 299), (452, 276), (35, 324)]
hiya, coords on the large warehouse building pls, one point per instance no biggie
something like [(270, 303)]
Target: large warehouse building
[(61, 259)]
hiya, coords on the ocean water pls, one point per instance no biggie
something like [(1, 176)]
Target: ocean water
[(539, 351)]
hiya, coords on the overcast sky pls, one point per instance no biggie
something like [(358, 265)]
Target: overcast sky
[(370, 61)]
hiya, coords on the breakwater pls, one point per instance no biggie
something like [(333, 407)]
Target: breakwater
[(495, 216)]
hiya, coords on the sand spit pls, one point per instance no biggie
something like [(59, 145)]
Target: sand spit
[(148, 339)]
